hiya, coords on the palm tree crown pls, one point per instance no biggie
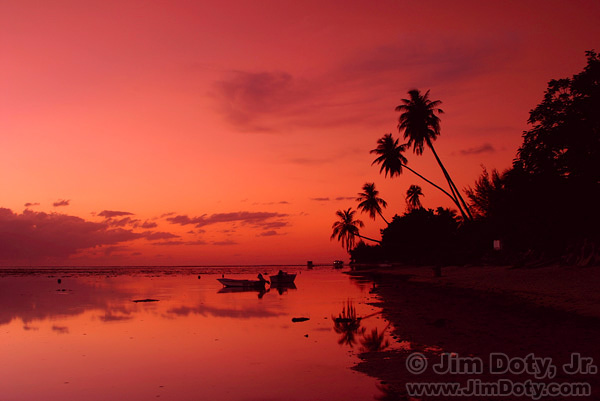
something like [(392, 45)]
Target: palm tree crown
[(421, 125), (390, 155), (418, 119), (413, 197), (370, 202), (346, 228)]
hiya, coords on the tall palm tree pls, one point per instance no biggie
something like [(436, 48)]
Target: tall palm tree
[(421, 126), (370, 202), (346, 229), (413, 197), (393, 161)]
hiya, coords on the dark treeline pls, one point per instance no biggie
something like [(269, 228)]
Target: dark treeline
[(544, 209)]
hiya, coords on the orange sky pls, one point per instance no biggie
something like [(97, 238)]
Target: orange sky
[(230, 132)]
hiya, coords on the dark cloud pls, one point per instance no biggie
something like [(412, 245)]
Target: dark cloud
[(341, 198), (257, 219), (109, 214), (29, 204), (61, 202), (36, 236), (180, 242), (148, 224), (125, 221), (158, 235), (269, 233), (320, 199), (485, 148)]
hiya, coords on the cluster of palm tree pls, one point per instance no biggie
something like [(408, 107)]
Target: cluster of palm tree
[(420, 124)]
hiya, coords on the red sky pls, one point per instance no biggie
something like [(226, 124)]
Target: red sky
[(229, 132)]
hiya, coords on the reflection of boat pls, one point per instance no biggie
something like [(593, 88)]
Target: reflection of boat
[(258, 289), (281, 288), (282, 278), (230, 282)]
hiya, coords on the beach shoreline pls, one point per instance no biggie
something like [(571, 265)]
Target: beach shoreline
[(551, 312)]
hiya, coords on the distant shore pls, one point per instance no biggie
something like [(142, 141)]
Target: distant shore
[(475, 311)]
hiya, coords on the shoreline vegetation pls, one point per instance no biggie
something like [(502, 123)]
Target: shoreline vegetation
[(541, 211), (474, 311)]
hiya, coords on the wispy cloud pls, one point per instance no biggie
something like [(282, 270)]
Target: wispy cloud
[(485, 148), (257, 219), (158, 235), (109, 214), (279, 101), (320, 199), (341, 198), (61, 202), (29, 204)]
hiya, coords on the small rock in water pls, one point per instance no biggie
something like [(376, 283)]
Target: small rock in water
[(299, 319), (59, 281), (198, 277)]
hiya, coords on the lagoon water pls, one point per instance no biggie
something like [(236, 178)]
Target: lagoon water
[(85, 338)]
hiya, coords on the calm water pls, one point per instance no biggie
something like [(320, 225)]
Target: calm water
[(85, 338)]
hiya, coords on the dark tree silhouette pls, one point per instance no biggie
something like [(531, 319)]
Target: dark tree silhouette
[(421, 126), (370, 202), (413, 195), (346, 229), (392, 160)]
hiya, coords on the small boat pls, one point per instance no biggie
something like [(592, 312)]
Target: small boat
[(338, 264), (282, 278), (230, 282)]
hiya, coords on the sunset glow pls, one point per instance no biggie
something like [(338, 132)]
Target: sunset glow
[(197, 133)]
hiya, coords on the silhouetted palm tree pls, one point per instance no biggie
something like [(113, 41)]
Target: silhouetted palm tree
[(346, 229), (393, 161), (413, 195), (421, 127), (370, 202)]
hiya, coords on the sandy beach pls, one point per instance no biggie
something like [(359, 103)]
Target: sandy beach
[(551, 312)]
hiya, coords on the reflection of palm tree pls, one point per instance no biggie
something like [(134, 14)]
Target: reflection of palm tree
[(347, 324), (421, 127), (375, 341), (346, 229), (370, 202), (412, 197), (393, 161)]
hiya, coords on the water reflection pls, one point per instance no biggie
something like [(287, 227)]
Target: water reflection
[(196, 342), (348, 325), (375, 341)]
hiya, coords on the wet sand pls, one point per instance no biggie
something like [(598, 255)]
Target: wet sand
[(551, 312)]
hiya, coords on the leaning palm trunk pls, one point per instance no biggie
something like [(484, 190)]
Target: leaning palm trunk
[(381, 215), (434, 184), (458, 199), (369, 239)]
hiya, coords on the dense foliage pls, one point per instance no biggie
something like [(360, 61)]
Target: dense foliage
[(544, 208)]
